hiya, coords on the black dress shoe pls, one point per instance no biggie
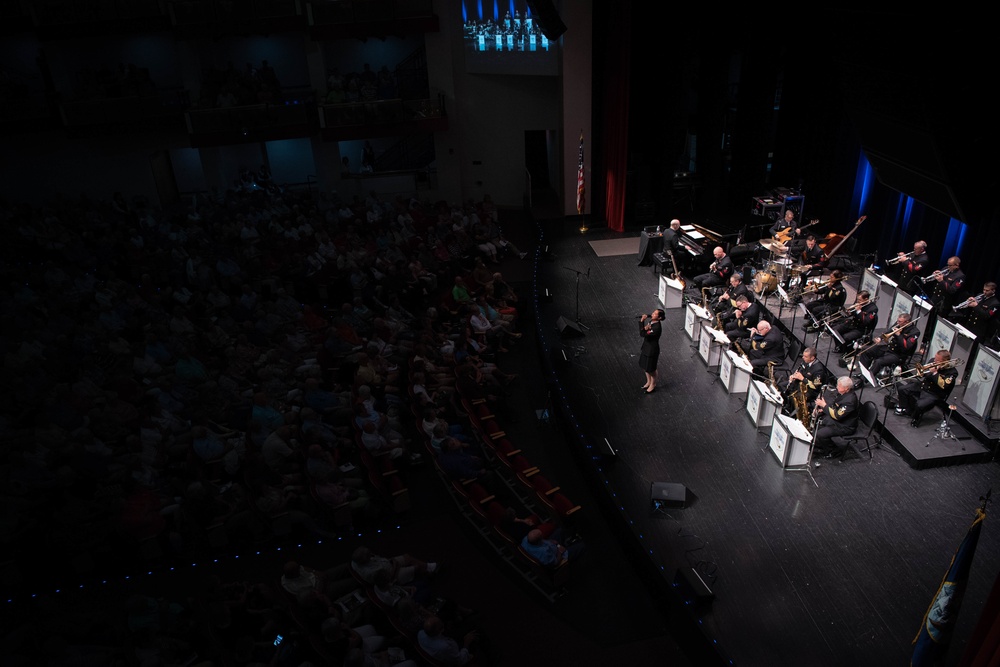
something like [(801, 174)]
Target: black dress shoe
[(915, 423)]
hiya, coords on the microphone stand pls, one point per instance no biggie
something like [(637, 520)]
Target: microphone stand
[(578, 274)]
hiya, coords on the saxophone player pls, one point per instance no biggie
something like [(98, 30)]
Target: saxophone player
[(839, 412), (921, 394), (745, 317), (765, 345), (809, 373)]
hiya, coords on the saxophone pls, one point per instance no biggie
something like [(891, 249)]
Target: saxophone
[(801, 405), (739, 348), (718, 321), (704, 297), (770, 377)]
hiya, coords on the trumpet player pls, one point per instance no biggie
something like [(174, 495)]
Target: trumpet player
[(839, 410), (893, 347), (981, 313), (949, 286), (912, 266), (718, 273), (935, 384), (860, 323), (832, 296)]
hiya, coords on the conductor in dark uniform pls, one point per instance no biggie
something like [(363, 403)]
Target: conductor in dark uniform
[(650, 330), (839, 417)]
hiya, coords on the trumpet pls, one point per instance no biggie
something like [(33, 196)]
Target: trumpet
[(919, 369), (968, 302), (943, 272), (901, 258)]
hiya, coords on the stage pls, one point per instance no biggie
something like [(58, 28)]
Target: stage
[(827, 565)]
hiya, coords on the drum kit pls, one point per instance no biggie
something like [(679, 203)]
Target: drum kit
[(778, 269)]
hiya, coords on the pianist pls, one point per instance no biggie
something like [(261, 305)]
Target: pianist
[(718, 272)]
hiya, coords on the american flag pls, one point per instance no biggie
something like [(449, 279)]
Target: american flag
[(581, 186)]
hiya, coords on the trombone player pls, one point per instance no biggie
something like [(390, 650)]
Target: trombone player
[(832, 296), (893, 347), (861, 320), (935, 382)]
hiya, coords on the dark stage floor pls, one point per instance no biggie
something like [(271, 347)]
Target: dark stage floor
[(836, 572)]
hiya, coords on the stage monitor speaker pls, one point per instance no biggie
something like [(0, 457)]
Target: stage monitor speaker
[(668, 494), (568, 329), (548, 19)]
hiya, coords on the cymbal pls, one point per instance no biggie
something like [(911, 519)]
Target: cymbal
[(775, 246)]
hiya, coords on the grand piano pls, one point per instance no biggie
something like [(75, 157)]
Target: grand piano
[(699, 241)]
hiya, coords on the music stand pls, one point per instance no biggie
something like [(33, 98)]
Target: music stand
[(808, 465), (836, 336)]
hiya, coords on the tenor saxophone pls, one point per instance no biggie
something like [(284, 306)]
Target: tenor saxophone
[(739, 348), (704, 297)]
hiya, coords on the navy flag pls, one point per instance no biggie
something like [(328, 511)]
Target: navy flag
[(939, 621)]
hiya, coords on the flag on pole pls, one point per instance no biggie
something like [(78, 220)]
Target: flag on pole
[(941, 616), (581, 185)]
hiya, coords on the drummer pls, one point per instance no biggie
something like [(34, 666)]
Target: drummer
[(812, 259)]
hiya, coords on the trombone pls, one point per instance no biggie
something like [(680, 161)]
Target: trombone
[(897, 259), (813, 288), (943, 272), (919, 369), (884, 338)]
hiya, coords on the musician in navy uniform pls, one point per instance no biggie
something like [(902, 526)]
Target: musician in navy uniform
[(809, 371), (891, 348), (746, 316), (650, 330), (718, 273), (789, 225), (913, 267), (949, 287), (860, 323), (811, 259), (672, 244), (832, 297), (839, 413), (921, 394), (726, 303), (981, 316), (765, 345)]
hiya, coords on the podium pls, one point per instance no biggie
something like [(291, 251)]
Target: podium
[(761, 404), (734, 372), (790, 441), (692, 320), (711, 344), (671, 293)]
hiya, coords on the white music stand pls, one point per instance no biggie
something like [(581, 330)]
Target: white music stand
[(761, 404), (712, 344), (692, 316), (671, 293), (790, 441), (735, 373)]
